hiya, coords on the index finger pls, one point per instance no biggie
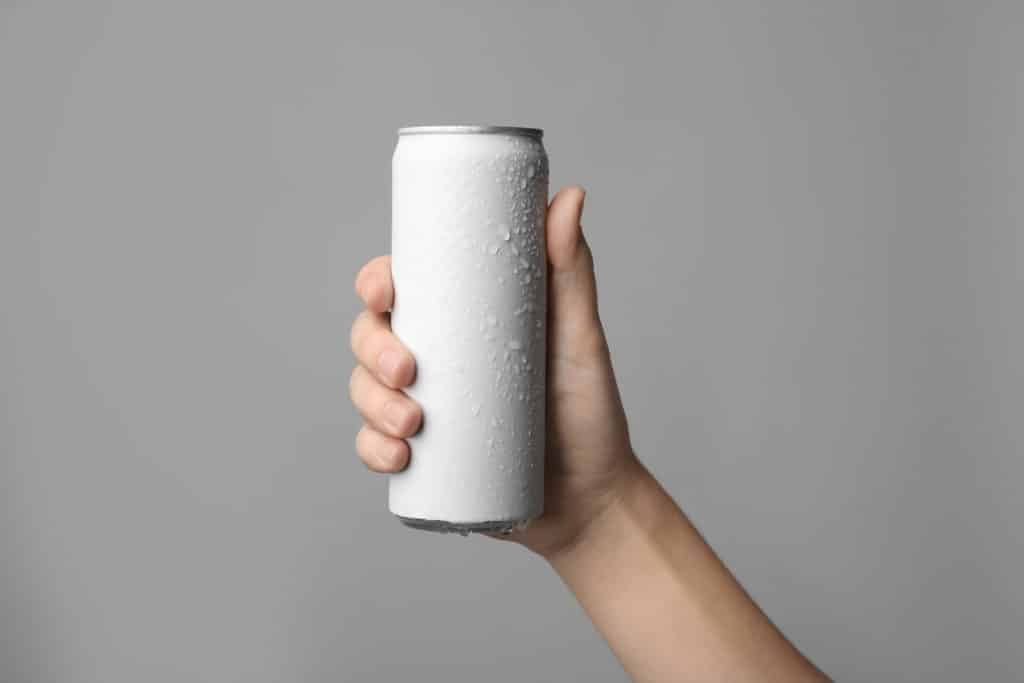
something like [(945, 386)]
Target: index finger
[(373, 284)]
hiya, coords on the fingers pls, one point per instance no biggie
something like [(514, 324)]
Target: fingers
[(564, 234), (381, 453), (376, 348), (374, 286), (385, 365), (380, 352), (572, 289), (386, 410)]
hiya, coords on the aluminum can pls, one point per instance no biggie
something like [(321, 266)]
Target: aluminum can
[(469, 263)]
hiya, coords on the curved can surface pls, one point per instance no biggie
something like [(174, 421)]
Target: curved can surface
[(470, 270)]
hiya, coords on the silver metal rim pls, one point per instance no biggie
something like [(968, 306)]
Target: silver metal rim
[(472, 130), (464, 528)]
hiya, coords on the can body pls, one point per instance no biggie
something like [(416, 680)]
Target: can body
[(470, 275)]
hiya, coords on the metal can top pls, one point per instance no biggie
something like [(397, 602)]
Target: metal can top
[(472, 130)]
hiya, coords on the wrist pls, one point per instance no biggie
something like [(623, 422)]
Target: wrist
[(606, 523)]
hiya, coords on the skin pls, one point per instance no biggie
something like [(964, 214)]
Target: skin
[(668, 607)]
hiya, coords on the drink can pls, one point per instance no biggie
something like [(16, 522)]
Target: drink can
[(469, 264)]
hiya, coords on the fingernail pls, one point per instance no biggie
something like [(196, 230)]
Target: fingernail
[(395, 416), (389, 362)]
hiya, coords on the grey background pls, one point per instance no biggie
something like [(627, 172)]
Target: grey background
[(807, 222)]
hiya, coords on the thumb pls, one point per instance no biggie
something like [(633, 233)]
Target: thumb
[(572, 288)]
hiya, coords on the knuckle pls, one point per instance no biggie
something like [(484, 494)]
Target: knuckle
[(363, 446), (357, 282), (363, 273), (379, 265), (353, 382), (367, 459), (377, 286), (360, 328), (376, 294), (354, 332)]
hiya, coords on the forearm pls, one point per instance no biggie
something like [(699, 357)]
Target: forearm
[(669, 609)]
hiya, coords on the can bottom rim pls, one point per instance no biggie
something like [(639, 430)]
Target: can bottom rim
[(464, 528)]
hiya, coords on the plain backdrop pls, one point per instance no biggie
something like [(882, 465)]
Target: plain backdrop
[(807, 223)]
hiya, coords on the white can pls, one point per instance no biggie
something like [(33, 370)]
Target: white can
[(470, 270)]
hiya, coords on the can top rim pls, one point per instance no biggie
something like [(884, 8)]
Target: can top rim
[(472, 130)]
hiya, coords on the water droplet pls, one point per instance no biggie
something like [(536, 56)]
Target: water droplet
[(514, 248), (524, 263), (522, 184), (476, 409), (514, 344), (493, 249)]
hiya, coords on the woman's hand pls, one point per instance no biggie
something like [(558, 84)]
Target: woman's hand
[(668, 607), (588, 457)]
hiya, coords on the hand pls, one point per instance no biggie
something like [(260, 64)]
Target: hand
[(668, 607), (588, 459)]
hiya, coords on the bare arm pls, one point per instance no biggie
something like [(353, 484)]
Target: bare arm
[(669, 609), (667, 606)]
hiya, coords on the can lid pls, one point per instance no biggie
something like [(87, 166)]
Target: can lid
[(472, 130)]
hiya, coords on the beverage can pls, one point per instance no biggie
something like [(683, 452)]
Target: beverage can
[(469, 264)]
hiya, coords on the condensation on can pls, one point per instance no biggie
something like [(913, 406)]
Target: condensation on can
[(470, 272)]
